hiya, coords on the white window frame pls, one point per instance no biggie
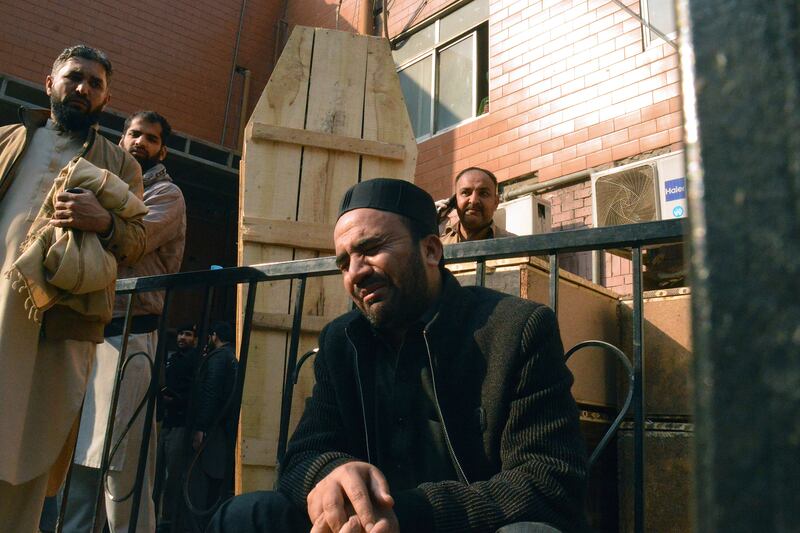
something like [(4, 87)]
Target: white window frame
[(648, 39), (434, 53)]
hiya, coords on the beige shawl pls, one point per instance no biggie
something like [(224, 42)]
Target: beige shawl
[(67, 266)]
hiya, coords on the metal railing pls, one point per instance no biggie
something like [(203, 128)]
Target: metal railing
[(633, 237)]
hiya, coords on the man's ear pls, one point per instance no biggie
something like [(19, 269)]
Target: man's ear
[(162, 152), (48, 84), (105, 102), (432, 250)]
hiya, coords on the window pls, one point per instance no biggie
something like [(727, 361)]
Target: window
[(443, 69), (661, 15)]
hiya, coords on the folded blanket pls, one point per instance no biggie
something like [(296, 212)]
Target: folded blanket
[(67, 266)]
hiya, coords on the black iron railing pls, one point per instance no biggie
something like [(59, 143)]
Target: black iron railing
[(633, 237)]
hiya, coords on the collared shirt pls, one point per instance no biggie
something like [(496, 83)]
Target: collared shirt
[(411, 447), (451, 233)]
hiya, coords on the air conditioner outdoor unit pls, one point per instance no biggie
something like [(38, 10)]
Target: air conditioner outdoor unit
[(653, 189), (527, 215)]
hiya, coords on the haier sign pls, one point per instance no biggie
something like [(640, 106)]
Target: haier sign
[(675, 189)]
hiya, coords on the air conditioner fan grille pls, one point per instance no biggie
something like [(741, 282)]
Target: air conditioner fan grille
[(627, 197)]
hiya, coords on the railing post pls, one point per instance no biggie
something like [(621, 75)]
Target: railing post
[(554, 282), (480, 273), (152, 393), (291, 362), (638, 394)]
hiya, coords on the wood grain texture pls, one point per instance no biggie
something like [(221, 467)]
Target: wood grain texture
[(331, 115)]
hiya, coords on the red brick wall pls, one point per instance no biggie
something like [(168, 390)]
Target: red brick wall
[(174, 57), (570, 87)]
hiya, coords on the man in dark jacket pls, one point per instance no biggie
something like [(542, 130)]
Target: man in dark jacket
[(436, 407), (173, 444), (212, 426)]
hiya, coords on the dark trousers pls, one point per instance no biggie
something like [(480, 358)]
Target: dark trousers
[(268, 512), (259, 512)]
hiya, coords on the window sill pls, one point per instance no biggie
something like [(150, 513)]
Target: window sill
[(463, 123)]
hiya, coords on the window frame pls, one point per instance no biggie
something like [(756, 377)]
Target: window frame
[(434, 53), (648, 38)]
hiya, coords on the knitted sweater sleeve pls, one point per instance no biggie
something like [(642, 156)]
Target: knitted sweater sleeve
[(542, 452)]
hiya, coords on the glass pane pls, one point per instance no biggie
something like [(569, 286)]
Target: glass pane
[(463, 19), (415, 81), (456, 79), (416, 44), (661, 14)]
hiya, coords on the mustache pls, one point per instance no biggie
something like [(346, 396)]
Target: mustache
[(78, 98), (475, 207), (365, 284)]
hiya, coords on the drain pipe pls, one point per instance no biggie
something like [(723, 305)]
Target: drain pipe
[(233, 72), (511, 192), (515, 191), (245, 104), (365, 17)]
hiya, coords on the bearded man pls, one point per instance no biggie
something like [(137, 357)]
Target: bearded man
[(144, 137), (45, 361), (475, 201), (436, 407)]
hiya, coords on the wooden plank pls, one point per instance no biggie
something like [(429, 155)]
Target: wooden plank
[(309, 235), (335, 106), (341, 143), (282, 321), (268, 189), (385, 115), (290, 194)]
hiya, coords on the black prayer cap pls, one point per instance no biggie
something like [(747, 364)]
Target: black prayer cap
[(396, 196)]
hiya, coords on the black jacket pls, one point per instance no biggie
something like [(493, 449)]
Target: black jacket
[(214, 383), (504, 396), (179, 378)]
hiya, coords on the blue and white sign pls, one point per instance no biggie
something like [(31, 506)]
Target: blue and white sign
[(678, 211), (675, 189)]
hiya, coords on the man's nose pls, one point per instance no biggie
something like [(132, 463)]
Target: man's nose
[(82, 88), (358, 270)]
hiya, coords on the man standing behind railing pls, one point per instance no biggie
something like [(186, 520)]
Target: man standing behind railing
[(469, 214), (144, 138), (436, 407), (44, 365), (174, 449), (212, 423)]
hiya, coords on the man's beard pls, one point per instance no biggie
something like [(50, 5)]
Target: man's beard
[(472, 222), (72, 119), (404, 303), (148, 163)]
